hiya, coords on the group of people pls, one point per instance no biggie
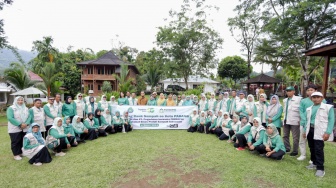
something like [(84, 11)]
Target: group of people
[(256, 125)]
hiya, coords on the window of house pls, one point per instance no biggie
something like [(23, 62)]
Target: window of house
[(2, 97), (90, 86), (90, 70), (99, 88)]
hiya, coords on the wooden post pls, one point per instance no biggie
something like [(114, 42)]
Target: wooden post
[(326, 75)]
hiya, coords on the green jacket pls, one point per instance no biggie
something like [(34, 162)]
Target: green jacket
[(88, 126), (12, 120), (304, 104), (277, 143), (276, 120), (115, 123), (197, 121), (48, 113), (31, 116), (123, 101), (243, 131), (151, 102), (259, 141), (69, 109), (103, 121), (55, 134), (27, 145)]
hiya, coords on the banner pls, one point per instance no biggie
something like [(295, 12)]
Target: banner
[(157, 117)]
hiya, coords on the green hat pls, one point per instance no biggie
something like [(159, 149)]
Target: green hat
[(290, 88)]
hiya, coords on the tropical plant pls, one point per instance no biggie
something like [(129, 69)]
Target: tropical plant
[(124, 84), (17, 75), (152, 77), (106, 88), (49, 76), (46, 52)]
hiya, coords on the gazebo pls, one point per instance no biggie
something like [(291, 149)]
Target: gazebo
[(325, 51), (261, 80)]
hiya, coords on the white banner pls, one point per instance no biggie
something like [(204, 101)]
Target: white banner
[(157, 117)]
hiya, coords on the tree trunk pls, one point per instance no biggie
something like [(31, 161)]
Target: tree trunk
[(186, 82), (48, 91)]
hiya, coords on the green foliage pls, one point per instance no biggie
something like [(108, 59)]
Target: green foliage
[(125, 84), (70, 76), (114, 93), (106, 88), (45, 51), (196, 92), (17, 75), (233, 67), (3, 38), (50, 75), (101, 53), (141, 85), (152, 77)]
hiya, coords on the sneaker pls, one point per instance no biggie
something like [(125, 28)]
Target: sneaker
[(293, 154), (37, 164), (320, 173), (17, 157), (240, 149), (60, 154), (301, 158), (311, 167)]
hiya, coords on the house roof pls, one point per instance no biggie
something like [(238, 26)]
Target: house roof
[(34, 77), (262, 78), (4, 87), (326, 50), (193, 79), (107, 59)]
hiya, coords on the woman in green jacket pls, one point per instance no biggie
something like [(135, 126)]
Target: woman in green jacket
[(242, 133), (151, 101), (193, 121), (103, 127), (122, 99), (274, 112), (211, 118), (225, 127), (273, 146), (57, 131), (202, 123), (82, 133), (118, 122), (69, 108), (90, 124), (69, 131), (256, 136)]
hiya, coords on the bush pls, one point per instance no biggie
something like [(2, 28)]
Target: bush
[(106, 88), (113, 93), (196, 92)]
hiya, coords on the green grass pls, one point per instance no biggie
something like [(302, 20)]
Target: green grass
[(146, 158), (3, 120)]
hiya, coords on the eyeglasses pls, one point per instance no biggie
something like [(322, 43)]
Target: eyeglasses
[(79, 96), (104, 97)]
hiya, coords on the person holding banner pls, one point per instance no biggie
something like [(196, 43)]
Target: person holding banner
[(226, 127), (102, 104), (118, 122), (122, 99), (215, 127), (161, 100), (202, 123), (151, 101), (193, 121), (142, 100), (170, 100), (211, 118), (127, 122)]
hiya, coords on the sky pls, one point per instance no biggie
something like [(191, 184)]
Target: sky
[(100, 24)]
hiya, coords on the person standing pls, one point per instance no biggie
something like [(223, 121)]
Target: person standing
[(218, 104), (102, 104), (80, 106), (249, 108), (318, 127), (261, 108), (239, 104), (122, 99), (151, 101), (142, 100), (36, 115), (18, 122), (133, 101), (50, 112), (231, 103), (170, 100), (181, 100), (274, 112), (87, 98), (291, 120), (203, 104), (211, 102), (58, 104), (91, 106), (69, 108)]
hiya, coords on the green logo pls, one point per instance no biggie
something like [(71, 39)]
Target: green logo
[(130, 110), (150, 110)]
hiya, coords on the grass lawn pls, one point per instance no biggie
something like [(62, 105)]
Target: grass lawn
[(160, 158), (3, 119)]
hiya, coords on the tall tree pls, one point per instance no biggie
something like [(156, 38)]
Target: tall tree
[(153, 76), (125, 84), (49, 76), (246, 27), (3, 39), (16, 74), (188, 40), (45, 51), (233, 67)]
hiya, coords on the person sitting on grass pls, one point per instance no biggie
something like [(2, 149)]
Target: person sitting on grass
[(118, 122), (273, 146), (57, 131), (127, 122), (193, 121), (90, 124), (34, 146), (226, 127), (211, 118), (103, 126), (82, 133), (216, 125), (108, 119), (234, 126), (202, 122), (241, 135), (69, 131), (256, 136)]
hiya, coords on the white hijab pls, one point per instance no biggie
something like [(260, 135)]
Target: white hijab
[(60, 129), (22, 108)]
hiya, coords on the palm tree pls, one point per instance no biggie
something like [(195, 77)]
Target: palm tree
[(124, 83), (46, 52), (17, 75), (49, 76), (153, 76)]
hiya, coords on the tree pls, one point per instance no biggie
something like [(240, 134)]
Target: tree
[(233, 67), (152, 77), (189, 42), (106, 88), (17, 75), (49, 76), (153, 57), (140, 85), (71, 78), (246, 27), (3, 39), (45, 51), (124, 83)]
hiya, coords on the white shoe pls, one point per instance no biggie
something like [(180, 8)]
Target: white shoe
[(17, 157), (310, 162), (60, 154), (301, 158), (37, 164)]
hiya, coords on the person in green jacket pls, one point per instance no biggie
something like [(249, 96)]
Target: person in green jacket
[(256, 136), (82, 133), (69, 131), (103, 127), (274, 112), (90, 124), (273, 146), (193, 121), (261, 108), (127, 122), (202, 123), (122, 99), (217, 124), (69, 108), (241, 134), (210, 120), (118, 122), (151, 101), (223, 133), (57, 131)]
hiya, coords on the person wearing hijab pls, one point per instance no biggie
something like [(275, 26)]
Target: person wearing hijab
[(122, 99), (69, 131), (161, 101), (80, 106), (241, 135), (261, 108), (69, 108), (113, 101), (151, 101), (195, 100), (108, 121), (175, 99), (102, 104), (256, 136), (273, 146), (211, 118), (203, 103), (188, 102), (249, 108), (90, 124), (225, 99), (91, 106), (34, 146), (81, 132), (171, 101), (274, 112), (57, 131), (218, 104), (216, 126), (103, 127), (18, 122), (211, 102), (202, 122), (36, 115), (50, 112), (193, 121), (234, 126), (181, 99), (127, 122), (118, 122), (226, 127)]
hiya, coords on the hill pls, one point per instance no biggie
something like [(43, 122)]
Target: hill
[(7, 57)]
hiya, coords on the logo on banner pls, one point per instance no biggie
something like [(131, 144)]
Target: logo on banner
[(161, 110), (150, 110), (130, 110)]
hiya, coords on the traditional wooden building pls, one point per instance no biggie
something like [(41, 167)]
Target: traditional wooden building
[(95, 72)]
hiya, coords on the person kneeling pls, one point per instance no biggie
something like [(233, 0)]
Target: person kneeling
[(81, 132), (57, 131), (69, 131), (103, 126), (118, 123), (256, 136), (226, 127), (273, 145), (127, 122), (242, 133), (193, 121), (34, 146)]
